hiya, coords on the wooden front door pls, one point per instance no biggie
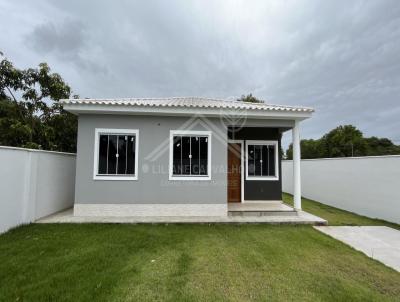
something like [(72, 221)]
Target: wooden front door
[(234, 172)]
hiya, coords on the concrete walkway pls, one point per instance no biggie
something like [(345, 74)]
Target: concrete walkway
[(378, 242), (299, 218)]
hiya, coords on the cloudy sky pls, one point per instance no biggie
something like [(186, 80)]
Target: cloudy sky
[(340, 57)]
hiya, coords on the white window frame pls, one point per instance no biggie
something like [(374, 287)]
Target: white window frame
[(263, 143), (110, 131), (171, 153)]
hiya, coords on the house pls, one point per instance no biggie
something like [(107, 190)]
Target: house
[(185, 156)]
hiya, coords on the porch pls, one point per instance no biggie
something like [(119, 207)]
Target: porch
[(281, 217), (254, 168)]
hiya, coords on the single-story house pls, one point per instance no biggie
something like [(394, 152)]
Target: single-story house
[(184, 156)]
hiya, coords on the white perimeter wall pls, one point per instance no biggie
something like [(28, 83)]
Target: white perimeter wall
[(34, 184), (368, 186)]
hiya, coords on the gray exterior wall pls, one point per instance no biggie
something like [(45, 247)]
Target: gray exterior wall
[(153, 185)]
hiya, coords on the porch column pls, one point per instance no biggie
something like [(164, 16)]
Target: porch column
[(296, 166)]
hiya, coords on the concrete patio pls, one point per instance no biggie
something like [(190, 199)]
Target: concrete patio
[(243, 213)]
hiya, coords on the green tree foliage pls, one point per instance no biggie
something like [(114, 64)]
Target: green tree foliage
[(30, 113), (309, 149), (344, 141), (249, 99), (381, 146)]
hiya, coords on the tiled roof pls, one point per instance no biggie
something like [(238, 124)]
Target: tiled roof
[(187, 102)]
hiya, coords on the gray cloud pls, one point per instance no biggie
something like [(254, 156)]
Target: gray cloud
[(338, 56), (64, 38), (67, 41)]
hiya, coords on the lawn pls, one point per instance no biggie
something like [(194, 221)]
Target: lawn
[(336, 216), (112, 262)]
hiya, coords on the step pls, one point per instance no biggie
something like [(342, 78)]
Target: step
[(262, 213)]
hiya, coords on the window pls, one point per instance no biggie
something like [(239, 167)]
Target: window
[(116, 154), (190, 153), (262, 160)]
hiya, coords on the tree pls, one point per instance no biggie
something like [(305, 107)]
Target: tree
[(30, 113), (249, 99), (309, 149), (344, 141), (381, 146)]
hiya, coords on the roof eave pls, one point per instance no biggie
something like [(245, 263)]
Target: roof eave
[(297, 114)]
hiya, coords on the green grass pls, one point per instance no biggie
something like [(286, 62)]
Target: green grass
[(336, 216), (111, 262)]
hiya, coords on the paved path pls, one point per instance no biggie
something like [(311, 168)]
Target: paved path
[(378, 242)]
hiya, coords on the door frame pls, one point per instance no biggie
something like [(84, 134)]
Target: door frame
[(241, 142)]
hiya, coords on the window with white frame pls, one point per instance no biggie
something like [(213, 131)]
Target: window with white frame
[(116, 154), (262, 160), (190, 155)]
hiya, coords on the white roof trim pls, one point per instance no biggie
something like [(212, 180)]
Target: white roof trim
[(184, 106)]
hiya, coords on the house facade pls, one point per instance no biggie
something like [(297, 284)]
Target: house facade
[(179, 156)]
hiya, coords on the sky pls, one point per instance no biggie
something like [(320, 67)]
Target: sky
[(340, 57)]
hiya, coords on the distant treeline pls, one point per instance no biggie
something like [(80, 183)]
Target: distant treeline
[(345, 141)]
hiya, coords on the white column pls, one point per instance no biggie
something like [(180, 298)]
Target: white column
[(296, 166)]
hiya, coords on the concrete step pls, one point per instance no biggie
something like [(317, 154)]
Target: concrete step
[(262, 213)]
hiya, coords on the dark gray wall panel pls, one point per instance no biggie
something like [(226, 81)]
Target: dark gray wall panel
[(261, 189)]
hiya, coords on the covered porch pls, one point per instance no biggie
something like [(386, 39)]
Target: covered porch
[(254, 181)]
